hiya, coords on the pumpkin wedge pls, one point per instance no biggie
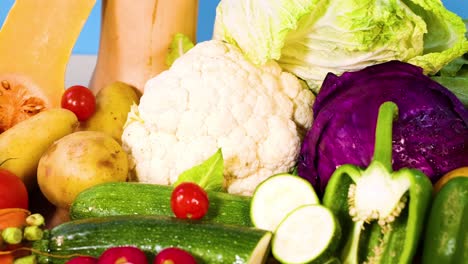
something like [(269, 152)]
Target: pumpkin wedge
[(135, 38), (36, 41)]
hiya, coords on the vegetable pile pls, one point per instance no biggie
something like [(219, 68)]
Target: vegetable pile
[(303, 132)]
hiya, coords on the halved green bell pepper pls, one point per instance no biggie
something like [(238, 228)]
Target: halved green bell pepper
[(381, 211), (446, 237)]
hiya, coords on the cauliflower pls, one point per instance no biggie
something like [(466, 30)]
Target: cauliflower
[(213, 97)]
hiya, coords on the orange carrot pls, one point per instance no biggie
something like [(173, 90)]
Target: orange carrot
[(13, 217), (6, 259)]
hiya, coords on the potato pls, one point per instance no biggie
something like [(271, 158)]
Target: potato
[(78, 161), (113, 103)]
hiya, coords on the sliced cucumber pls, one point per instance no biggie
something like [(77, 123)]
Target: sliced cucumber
[(309, 234), (278, 195)]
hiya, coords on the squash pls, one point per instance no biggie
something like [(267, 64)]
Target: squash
[(135, 39), (36, 41)]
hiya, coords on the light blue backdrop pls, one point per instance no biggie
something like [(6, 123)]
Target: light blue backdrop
[(89, 38)]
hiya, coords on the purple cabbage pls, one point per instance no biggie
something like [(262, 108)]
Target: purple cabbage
[(431, 133)]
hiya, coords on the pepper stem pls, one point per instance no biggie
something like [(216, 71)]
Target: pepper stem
[(388, 111)]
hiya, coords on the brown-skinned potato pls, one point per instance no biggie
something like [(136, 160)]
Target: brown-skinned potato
[(79, 161)]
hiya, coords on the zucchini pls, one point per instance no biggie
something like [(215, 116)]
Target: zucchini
[(132, 198), (446, 236), (208, 242), (308, 234), (278, 195)]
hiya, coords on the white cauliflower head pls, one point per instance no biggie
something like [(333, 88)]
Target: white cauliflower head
[(213, 97)]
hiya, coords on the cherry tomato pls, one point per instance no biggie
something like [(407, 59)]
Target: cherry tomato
[(13, 192), (174, 255), (189, 200), (80, 100)]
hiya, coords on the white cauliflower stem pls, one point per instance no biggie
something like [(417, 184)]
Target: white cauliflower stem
[(210, 98)]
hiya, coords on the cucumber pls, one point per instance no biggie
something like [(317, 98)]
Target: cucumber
[(446, 235), (131, 198), (207, 242), (278, 195), (308, 234)]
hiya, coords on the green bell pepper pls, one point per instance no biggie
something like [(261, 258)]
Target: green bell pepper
[(381, 211), (446, 237)]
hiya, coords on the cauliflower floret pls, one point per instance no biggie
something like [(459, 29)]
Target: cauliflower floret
[(213, 97)]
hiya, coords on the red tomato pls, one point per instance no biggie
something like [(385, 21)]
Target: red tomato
[(80, 100), (13, 192), (175, 256), (189, 200)]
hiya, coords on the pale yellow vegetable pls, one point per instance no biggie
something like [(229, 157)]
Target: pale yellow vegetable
[(22, 145), (79, 161), (113, 103)]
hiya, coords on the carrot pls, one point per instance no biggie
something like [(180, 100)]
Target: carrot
[(6, 258), (13, 217)]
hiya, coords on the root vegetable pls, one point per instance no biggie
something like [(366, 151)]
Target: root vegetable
[(78, 161), (113, 104), (23, 145)]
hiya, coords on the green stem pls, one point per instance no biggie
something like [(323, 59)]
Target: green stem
[(388, 111)]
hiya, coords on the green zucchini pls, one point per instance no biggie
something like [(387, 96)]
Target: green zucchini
[(208, 242), (446, 237), (308, 234), (131, 198), (278, 195)]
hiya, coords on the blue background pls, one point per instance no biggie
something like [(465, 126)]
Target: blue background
[(89, 39)]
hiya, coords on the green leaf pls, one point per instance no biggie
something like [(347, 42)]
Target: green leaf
[(209, 174), (458, 86), (179, 46)]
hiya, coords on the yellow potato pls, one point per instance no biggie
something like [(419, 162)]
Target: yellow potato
[(22, 145), (77, 162), (113, 103)]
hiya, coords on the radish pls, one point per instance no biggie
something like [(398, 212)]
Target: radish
[(174, 255), (125, 254)]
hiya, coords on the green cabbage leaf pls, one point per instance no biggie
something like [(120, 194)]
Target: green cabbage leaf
[(311, 38)]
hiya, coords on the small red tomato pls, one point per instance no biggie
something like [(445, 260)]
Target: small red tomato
[(13, 192), (189, 200), (174, 255), (80, 100)]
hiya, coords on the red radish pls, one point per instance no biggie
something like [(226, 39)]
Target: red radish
[(174, 255), (82, 260), (189, 200), (123, 255)]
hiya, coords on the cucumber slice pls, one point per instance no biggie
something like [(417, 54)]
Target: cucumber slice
[(278, 195), (309, 234)]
